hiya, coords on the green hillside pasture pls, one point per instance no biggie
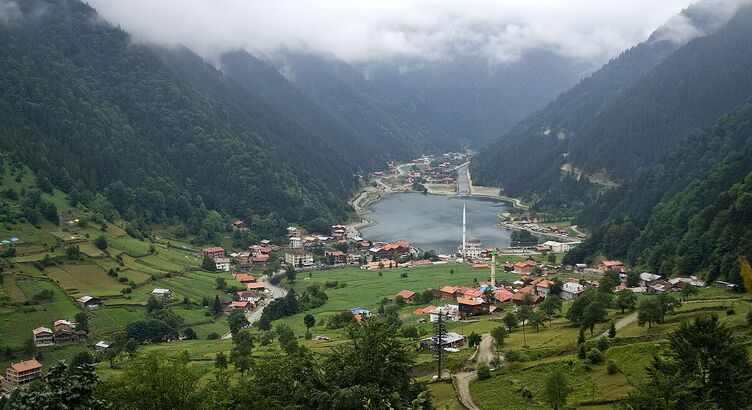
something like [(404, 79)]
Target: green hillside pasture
[(197, 320), (90, 279), (194, 285), (157, 262), (633, 359), (11, 289), (16, 323), (444, 396), (502, 391), (88, 249), (111, 319)]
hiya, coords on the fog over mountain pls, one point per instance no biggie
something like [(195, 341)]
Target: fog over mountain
[(432, 30)]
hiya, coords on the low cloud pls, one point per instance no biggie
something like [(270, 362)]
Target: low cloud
[(9, 11), (371, 30)]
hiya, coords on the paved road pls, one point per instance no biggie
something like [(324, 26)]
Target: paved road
[(462, 380), (254, 315), (463, 180)]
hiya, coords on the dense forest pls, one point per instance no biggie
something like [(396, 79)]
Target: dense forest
[(97, 114)]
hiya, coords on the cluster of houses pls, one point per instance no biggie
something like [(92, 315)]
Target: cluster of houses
[(300, 247), (63, 331), (535, 227)]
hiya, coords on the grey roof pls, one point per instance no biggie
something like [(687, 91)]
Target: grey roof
[(449, 338)]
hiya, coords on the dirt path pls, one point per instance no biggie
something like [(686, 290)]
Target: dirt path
[(622, 323), (462, 380)]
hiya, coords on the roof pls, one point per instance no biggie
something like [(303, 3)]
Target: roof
[(524, 264), (102, 344), (239, 303), (255, 285), (612, 263), (261, 258), (545, 284), (41, 330), (396, 245), (160, 291), (449, 289), (572, 287), (62, 322), (213, 249), (471, 302), (85, 299), (335, 253), (647, 277), (26, 365), (244, 277), (359, 311), (502, 295), (222, 260), (424, 310), (475, 293), (447, 338), (406, 294)]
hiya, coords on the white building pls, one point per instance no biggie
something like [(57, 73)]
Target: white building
[(299, 259), (558, 247), (450, 312), (473, 248), (160, 293), (571, 290), (222, 264), (296, 242)]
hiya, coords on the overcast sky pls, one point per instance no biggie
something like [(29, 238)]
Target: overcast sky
[(368, 30)]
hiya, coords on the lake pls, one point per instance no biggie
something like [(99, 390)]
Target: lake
[(435, 221)]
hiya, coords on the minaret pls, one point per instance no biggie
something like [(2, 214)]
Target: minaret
[(464, 229), (493, 268)]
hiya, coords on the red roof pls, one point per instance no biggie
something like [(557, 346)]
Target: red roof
[(261, 258), (525, 264), (471, 302), (406, 294), (244, 277), (26, 365), (612, 263), (473, 293), (213, 250), (335, 253), (254, 286), (358, 318), (527, 290), (545, 284), (396, 245), (422, 311), (478, 266), (502, 295), (239, 303)]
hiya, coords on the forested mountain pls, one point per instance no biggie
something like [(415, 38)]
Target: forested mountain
[(689, 213), (347, 96), (473, 99), (629, 112), (96, 114)]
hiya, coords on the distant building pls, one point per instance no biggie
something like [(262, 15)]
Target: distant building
[(222, 264), (240, 225), (525, 267), (473, 248), (611, 265), (336, 257), (543, 288), (450, 339), (244, 278), (89, 302), (101, 346), (215, 252), (20, 375), (43, 336), (472, 307), (160, 293), (407, 295), (296, 242), (571, 290), (299, 259)]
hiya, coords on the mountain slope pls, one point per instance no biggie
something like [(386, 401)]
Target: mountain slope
[(97, 114), (629, 112)]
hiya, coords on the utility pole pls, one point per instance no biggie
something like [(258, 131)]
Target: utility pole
[(438, 349)]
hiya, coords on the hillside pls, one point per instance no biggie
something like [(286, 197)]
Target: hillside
[(628, 113), (96, 114)]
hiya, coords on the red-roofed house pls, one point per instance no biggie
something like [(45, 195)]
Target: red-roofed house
[(472, 307), (481, 266), (449, 292), (425, 310), (215, 252), (260, 258), (240, 304), (519, 298), (470, 292), (611, 265), (19, 375), (244, 278), (502, 295), (240, 225), (543, 288), (407, 295), (525, 267), (255, 286), (336, 257)]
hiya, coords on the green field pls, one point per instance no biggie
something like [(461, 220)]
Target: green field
[(17, 322), (89, 279)]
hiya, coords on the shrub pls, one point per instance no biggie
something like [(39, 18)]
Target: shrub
[(212, 336), (730, 312), (602, 344), (611, 367), (484, 372), (514, 356), (594, 356)]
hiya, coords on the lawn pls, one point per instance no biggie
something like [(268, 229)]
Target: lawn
[(88, 279), (16, 323), (444, 396), (112, 319), (633, 359), (502, 391)]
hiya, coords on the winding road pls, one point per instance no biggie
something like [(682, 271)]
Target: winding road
[(462, 380), (254, 315)]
